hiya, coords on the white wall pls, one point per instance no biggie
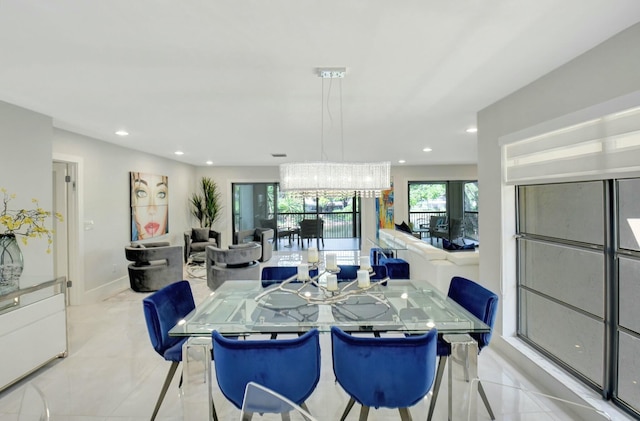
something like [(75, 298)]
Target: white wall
[(105, 190), (606, 72), (224, 176), (26, 171)]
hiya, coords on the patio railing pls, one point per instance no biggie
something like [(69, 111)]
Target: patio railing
[(336, 224)]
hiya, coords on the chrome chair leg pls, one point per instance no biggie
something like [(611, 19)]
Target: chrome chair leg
[(450, 389), (285, 416), (213, 408), (405, 415), (483, 395), (442, 361), (304, 406), (347, 409), (364, 413), (247, 416), (165, 387)]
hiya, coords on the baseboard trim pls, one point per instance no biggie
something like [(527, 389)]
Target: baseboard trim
[(105, 291)]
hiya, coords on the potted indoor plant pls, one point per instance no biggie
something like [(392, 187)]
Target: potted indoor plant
[(205, 205)]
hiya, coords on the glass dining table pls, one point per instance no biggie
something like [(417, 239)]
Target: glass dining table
[(244, 308), (241, 308)]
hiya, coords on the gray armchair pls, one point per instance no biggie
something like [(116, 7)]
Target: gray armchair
[(262, 236), (197, 239), (238, 262), (155, 265)]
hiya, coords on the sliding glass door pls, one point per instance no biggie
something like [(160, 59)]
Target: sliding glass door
[(262, 205)]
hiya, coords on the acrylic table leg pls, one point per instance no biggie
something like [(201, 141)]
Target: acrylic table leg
[(464, 355), (196, 392)]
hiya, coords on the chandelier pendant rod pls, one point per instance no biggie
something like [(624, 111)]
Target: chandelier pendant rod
[(341, 124)]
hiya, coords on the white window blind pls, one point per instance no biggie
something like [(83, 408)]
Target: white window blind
[(599, 148)]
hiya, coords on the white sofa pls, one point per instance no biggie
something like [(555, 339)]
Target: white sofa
[(430, 263)]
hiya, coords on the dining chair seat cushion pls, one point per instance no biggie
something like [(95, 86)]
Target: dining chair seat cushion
[(174, 352)]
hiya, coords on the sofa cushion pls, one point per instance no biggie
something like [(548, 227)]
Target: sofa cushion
[(427, 251), (464, 258), (200, 235)]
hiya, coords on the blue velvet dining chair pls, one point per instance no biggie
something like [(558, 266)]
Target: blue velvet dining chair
[(350, 272), (290, 367), (393, 372), (275, 274), (162, 310), (483, 304)]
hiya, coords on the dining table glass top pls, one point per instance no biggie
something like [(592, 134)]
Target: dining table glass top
[(244, 308)]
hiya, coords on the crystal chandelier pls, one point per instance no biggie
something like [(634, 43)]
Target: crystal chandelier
[(335, 179)]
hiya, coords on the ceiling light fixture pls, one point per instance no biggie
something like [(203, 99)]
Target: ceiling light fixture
[(209, 162), (427, 150), (402, 161), (122, 133), (179, 153), (472, 130), (337, 179)]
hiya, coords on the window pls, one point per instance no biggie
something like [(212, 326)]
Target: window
[(454, 201), (579, 280)]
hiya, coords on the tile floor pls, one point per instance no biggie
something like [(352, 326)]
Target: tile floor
[(113, 374)]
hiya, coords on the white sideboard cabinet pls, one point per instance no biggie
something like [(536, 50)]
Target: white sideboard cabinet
[(33, 328)]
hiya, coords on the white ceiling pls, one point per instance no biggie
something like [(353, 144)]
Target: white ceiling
[(234, 81)]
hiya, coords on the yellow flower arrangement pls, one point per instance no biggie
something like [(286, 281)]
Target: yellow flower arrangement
[(28, 223)]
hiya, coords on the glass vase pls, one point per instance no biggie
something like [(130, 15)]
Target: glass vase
[(11, 263)]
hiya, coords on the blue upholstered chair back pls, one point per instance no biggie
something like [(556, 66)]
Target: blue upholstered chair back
[(384, 372), (162, 310), (275, 274), (350, 272), (290, 367), (479, 301)]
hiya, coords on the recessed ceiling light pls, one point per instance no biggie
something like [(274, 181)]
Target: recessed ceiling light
[(402, 161), (179, 153), (122, 133), (472, 130), (209, 162), (427, 150)]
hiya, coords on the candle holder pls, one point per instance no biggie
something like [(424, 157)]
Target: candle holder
[(327, 296)]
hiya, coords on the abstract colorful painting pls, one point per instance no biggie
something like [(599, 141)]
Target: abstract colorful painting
[(384, 209)]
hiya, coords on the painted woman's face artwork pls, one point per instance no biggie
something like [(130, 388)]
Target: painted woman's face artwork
[(149, 205)]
